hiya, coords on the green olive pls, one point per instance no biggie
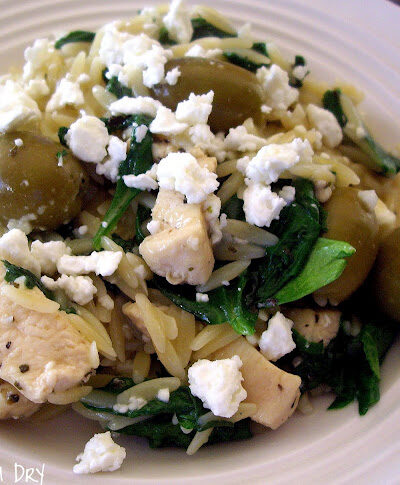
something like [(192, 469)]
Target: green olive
[(348, 219), (237, 92), (385, 279), (34, 181)]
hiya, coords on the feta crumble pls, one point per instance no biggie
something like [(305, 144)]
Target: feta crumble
[(17, 108), (241, 140), (165, 123), (47, 254), (261, 205), (218, 385), (143, 181), (133, 106), (67, 93), (101, 454), (326, 123), (196, 109), (182, 172), (134, 404), (178, 23), (271, 160), (18, 142), (202, 297), (278, 94), (172, 76), (88, 137), (15, 249), (79, 289), (116, 154), (199, 51), (277, 340), (102, 263), (163, 395)]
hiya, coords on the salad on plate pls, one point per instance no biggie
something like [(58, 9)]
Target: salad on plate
[(196, 235)]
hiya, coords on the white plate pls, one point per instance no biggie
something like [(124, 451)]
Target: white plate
[(358, 41)]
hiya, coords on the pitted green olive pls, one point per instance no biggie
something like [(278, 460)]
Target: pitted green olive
[(350, 220), (34, 180), (385, 279), (237, 92)]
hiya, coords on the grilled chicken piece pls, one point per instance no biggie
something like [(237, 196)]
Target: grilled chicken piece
[(13, 404), (41, 352), (275, 392), (179, 249), (315, 325)]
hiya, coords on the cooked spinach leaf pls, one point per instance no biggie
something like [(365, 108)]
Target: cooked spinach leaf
[(260, 47), (296, 81), (139, 159), (13, 272), (142, 214), (62, 131), (378, 159), (116, 88), (324, 265), (126, 245), (158, 428), (202, 28), (298, 228), (233, 208), (244, 61), (349, 365), (164, 38), (227, 304), (75, 36)]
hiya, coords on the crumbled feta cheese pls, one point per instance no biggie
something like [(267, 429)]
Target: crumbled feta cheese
[(300, 72), (277, 91), (287, 193), (196, 109), (134, 404), (88, 137), (182, 172), (102, 263), (240, 139), (133, 106), (67, 93), (143, 181), (121, 52), (163, 395), (79, 289), (38, 57), (271, 160), (178, 23), (368, 198), (261, 205), (165, 123), (218, 385), (47, 254), (18, 142), (277, 340), (326, 123), (199, 51), (116, 154), (17, 108), (202, 297), (24, 223), (14, 248), (172, 76), (140, 133), (101, 454)]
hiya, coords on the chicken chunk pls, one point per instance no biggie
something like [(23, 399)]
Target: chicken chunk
[(315, 325), (275, 392), (41, 352), (180, 249), (13, 404)]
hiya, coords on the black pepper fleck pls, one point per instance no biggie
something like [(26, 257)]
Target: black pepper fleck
[(12, 398), (8, 345), (24, 368)]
